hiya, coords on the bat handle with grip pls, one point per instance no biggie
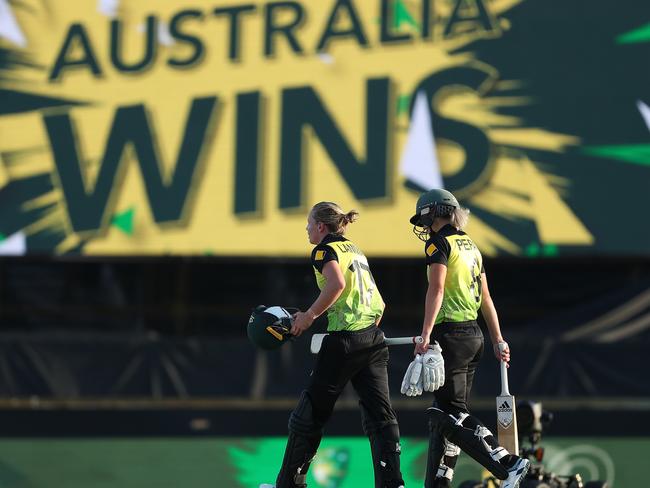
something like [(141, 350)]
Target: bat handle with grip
[(505, 391), (396, 341)]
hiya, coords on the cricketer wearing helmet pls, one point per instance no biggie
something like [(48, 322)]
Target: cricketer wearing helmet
[(354, 351), (457, 290)]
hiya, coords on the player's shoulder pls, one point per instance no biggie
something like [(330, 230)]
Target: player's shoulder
[(347, 245), (436, 242), (319, 251), (461, 241), (326, 246)]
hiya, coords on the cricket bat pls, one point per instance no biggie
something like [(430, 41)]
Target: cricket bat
[(506, 413), (317, 341)]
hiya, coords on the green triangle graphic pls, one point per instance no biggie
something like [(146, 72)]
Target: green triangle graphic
[(642, 34), (2, 237), (550, 250), (403, 102), (532, 249), (630, 153), (401, 14), (124, 221)]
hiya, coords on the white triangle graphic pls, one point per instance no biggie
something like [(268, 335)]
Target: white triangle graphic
[(108, 8), (419, 163), (164, 36), (14, 245), (9, 28), (645, 112)]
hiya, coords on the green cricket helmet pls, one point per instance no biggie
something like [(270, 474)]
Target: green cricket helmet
[(434, 203), (269, 327)]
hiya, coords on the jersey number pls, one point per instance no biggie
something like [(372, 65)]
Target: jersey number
[(362, 269), (476, 286)]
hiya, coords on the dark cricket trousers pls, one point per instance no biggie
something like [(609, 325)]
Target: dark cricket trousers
[(462, 348), (360, 357)]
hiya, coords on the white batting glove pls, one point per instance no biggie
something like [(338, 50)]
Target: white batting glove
[(412, 382), (433, 368)]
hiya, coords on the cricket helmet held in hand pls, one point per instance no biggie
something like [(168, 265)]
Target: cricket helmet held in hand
[(269, 327), (431, 204)]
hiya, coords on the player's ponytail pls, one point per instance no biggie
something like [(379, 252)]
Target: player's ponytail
[(330, 214), (350, 217), (459, 217)]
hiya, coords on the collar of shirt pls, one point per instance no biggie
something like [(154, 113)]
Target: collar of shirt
[(332, 238), (448, 230)]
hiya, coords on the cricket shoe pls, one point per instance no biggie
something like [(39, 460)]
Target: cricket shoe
[(516, 473)]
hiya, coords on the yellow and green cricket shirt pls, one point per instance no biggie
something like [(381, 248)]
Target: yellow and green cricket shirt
[(360, 303), (462, 295)]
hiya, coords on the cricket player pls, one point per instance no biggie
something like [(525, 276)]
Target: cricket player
[(457, 289), (354, 350)]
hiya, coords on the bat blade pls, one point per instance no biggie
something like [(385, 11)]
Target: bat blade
[(507, 423), (506, 412)]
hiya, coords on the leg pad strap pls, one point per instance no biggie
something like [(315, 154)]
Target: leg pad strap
[(471, 441)]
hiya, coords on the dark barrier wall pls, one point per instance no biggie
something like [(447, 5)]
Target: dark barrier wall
[(175, 327), (214, 296)]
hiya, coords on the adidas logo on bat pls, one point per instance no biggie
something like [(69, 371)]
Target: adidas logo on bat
[(504, 407)]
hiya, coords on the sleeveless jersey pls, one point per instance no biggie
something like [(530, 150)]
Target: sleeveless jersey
[(462, 294), (360, 303)]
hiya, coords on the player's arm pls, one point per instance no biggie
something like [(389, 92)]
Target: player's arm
[(489, 312), (433, 301), (334, 286)]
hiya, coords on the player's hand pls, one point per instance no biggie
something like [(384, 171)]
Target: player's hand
[(502, 355), (433, 368), (301, 322), (412, 382), (423, 347)]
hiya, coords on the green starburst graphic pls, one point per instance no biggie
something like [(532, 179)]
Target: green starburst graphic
[(629, 153), (341, 462), (402, 15), (642, 34)]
